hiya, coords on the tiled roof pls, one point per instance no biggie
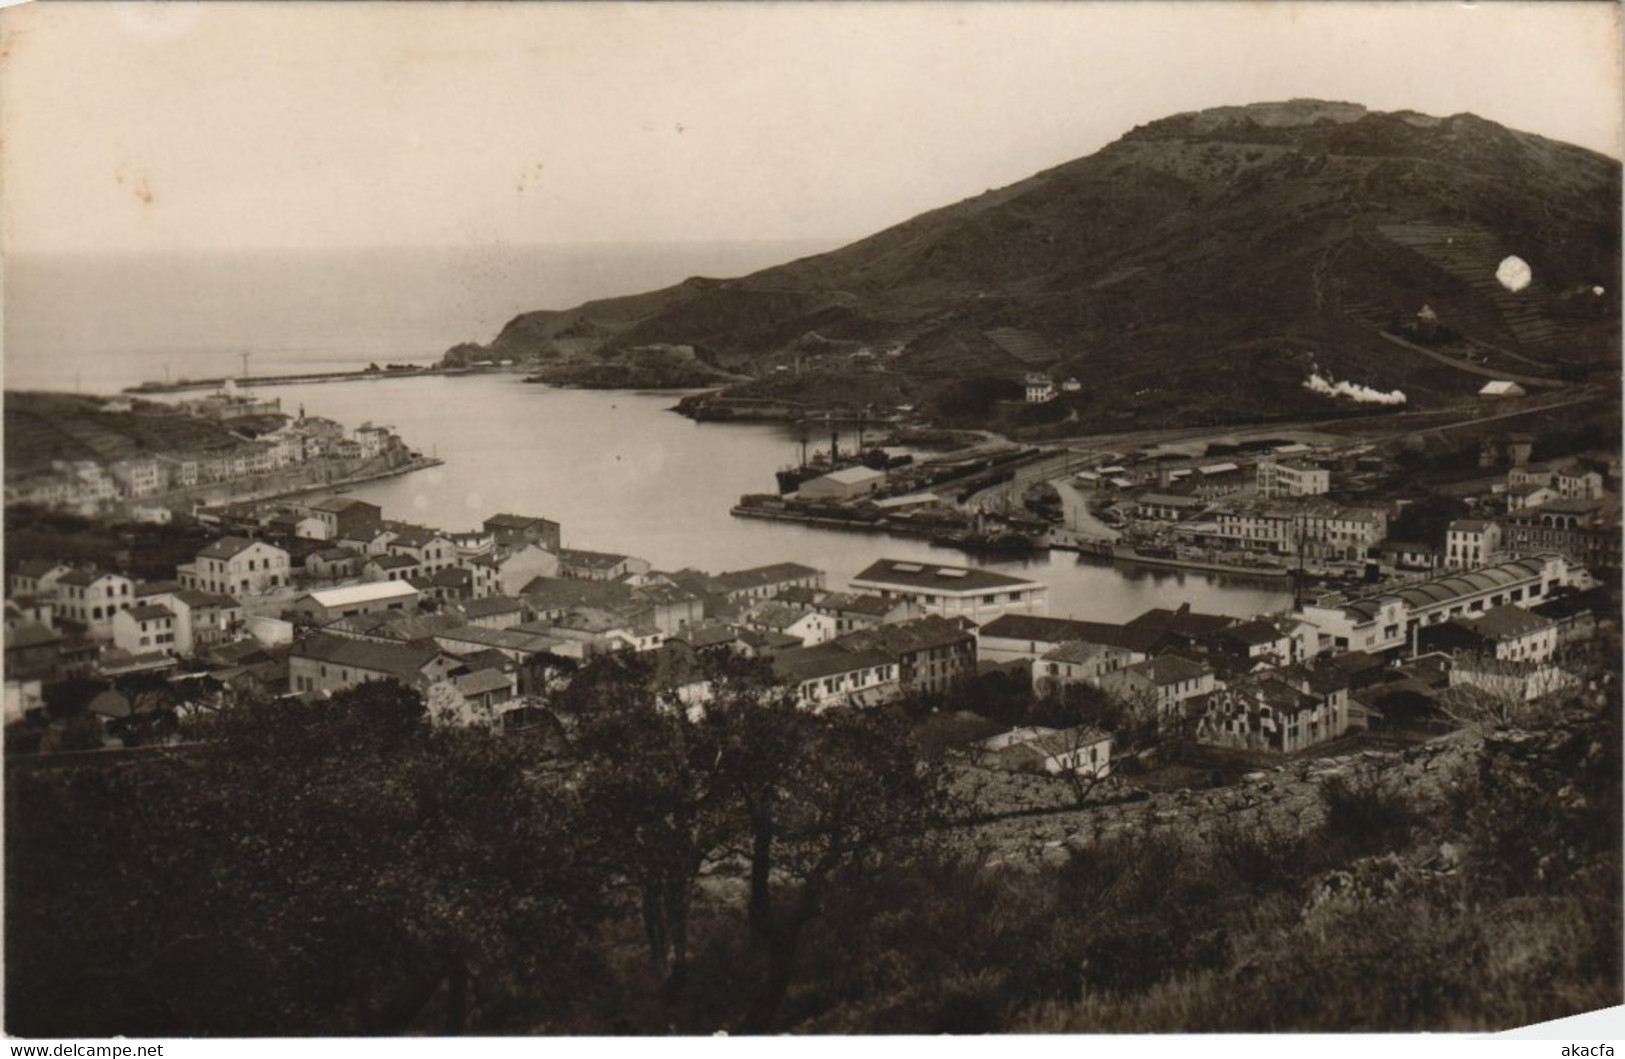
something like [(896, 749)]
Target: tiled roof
[(525, 638), (84, 578), (483, 681), (761, 576), (1508, 623), (707, 634), (339, 504), (810, 663), (415, 536), (151, 612), (1067, 740), (1039, 629), (368, 593), (1184, 622), (491, 605), (416, 626), (517, 522), (856, 475), (593, 560), (38, 567), (402, 661), (770, 614), (392, 562), (226, 548), (921, 634), (1168, 669), (561, 593), (1252, 633), (858, 603), (1077, 651), (30, 634), (938, 577)]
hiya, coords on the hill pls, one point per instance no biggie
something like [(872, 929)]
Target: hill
[(1203, 265)]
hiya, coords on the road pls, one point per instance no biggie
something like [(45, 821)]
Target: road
[(1076, 517), (1080, 453)]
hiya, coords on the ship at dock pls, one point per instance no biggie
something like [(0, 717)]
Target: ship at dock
[(823, 462), (1152, 555)]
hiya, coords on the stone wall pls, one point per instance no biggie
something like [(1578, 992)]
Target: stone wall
[(1285, 799)]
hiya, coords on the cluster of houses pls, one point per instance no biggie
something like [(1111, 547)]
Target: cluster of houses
[(260, 440), (310, 598)]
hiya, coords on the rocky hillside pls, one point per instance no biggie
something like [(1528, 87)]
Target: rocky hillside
[(1205, 263)]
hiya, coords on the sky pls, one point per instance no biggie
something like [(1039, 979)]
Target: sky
[(183, 127)]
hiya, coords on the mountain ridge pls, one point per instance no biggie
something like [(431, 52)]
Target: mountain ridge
[(1238, 244)]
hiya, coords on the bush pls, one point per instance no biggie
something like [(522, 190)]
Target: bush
[(1362, 819)]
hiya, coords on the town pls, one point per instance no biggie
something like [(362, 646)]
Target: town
[(307, 597), (143, 459)]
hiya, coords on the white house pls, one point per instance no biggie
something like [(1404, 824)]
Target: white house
[(1081, 750), (953, 591), (829, 675), (1470, 542), (845, 484), (811, 627), (145, 628), (1166, 680), (91, 599), (236, 566)]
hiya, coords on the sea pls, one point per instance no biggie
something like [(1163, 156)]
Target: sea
[(618, 469)]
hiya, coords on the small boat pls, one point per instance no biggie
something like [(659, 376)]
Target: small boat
[(972, 541)]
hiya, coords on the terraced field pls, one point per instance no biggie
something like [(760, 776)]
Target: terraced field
[(1472, 254), (40, 428)]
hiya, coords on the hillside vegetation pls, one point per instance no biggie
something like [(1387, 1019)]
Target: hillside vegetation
[(1205, 263)]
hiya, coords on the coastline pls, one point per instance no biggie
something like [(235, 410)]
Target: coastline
[(226, 492)]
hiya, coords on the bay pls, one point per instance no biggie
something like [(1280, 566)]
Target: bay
[(622, 473)]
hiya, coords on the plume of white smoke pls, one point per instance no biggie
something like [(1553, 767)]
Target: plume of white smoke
[(1352, 390)]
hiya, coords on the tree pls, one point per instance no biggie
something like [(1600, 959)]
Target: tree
[(656, 791), (1426, 520), (826, 797), (318, 868)]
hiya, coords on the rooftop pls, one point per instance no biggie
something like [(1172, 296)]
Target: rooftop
[(1039, 629), (859, 603), (339, 504), (596, 560), (761, 577), (800, 664), (491, 605), (1252, 633), (938, 577), (855, 475), (30, 634), (771, 614), (228, 547), (350, 595), (921, 634), (1507, 623), (1168, 669), (83, 578), (402, 661), (483, 681), (1184, 621), (517, 522), (527, 639), (1078, 651)]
